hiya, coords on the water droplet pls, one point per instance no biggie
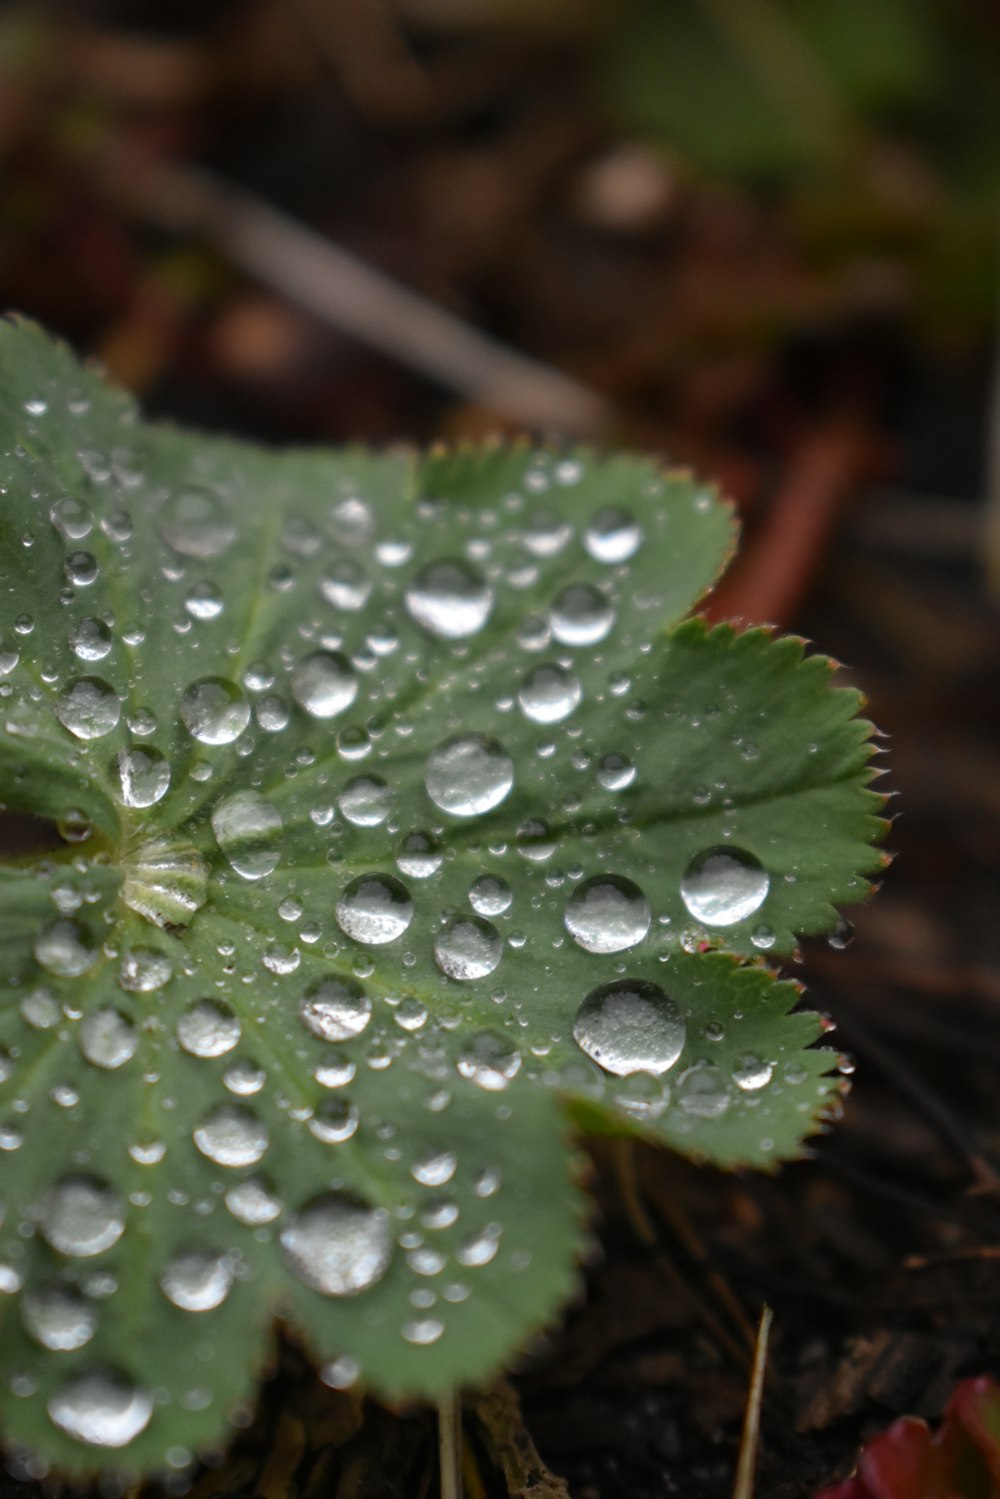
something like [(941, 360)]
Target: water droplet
[(613, 535), (535, 840), (72, 518), (81, 569), (196, 523), (58, 1317), (481, 1248), (549, 694), (488, 1060), (374, 908), (88, 708), (80, 1216), (436, 1169), (752, 1072), (208, 1028), (607, 913), (468, 948), (763, 937), (197, 1280), (702, 1091), (346, 585), (335, 1120), (546, 533), (247, 829), (253, 1201), (615, 772), (723, 886), (91, 640), (841, 936), (468, 775), (419, 855), (449, 599), (107, 1038), (214, 711), (490, 895), (324, 684), (244, 1078), (338, 1245), (204, 601), (630, 1025), (143, 776), (101, 1408), (642, 1095), (335, 1009), (423, 1331), (231, 1135), (581, 615), (366, 801), (64, 949), (143, 970)]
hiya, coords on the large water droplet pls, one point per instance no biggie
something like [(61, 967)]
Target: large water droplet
[(468, 775), (450, 599), (231, 1135), (549, 694), (724, 885), (89, 708), (468, 948), (196, 523), (247, 829), (143, 776), (80, 1216), (107, 1038), (58, 1317), (488, 1060), (324, 684), (335, 1009), (581, 615), (197, 1280), (607, 913), (101, 1408), (338, 1245), (214, 711), (374, 908), (613, 535), (630, 1025), (65, 949), (366, 801), (208, 1028)]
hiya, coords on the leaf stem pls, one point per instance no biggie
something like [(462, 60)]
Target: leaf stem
[(449, 1411)]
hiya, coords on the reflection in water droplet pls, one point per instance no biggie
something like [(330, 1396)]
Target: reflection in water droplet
[(247, 829), (88, 708), (101, 1408), (607, 913), (581, 615), (724, 885), (196, 523), (214, 711), (630, 1025), (58, 1317), (197, 1280), (80, 1216), (324, 684), (366, 801), (338, 1245), (143, 776), (107, 1038), (490, 895), (253, 1201), (489, 1060), (549, 694), (208, 1028), (468, 775), (335, 1009), (231, 1135), (449, 599), (374, 908), (419, 855), (468, 948), (612, 535)]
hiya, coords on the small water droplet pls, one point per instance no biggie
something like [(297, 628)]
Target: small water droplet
[(549, 694), (80, 1216), (204, 601), (72, 518), (101, 1408), (752, 1072), (335, 1009), (107, 1038), (253, 1201), (208, 1028), (366, 801), (91, 640), (231, 1135), (615, 772), (469, 774), (324, 684), (338, 1245), (58, 1317), (581, 615), (197, 1280), (89, 708), (374, 909), (450, 599), (841, 936), (143, 776), (143, 970), (436, 1169), (247, 829), (346, 585), (214, 711), (196, 523), (419, 855), (422, 1331), (630, 1025), (613, 535), (64, 949), (489, 1061), (81, 569), (702, 1091), (468, 948), (490, 895), (335, 1120), (723, 886), (607, 913)]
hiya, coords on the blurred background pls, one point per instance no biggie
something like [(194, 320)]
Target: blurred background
[(759, 237)]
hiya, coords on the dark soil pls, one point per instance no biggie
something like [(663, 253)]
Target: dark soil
[(477, 167)]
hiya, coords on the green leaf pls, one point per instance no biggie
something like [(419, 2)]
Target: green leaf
[(400, 818)]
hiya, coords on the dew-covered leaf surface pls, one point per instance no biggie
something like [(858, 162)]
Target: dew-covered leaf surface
[(396, 814)]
